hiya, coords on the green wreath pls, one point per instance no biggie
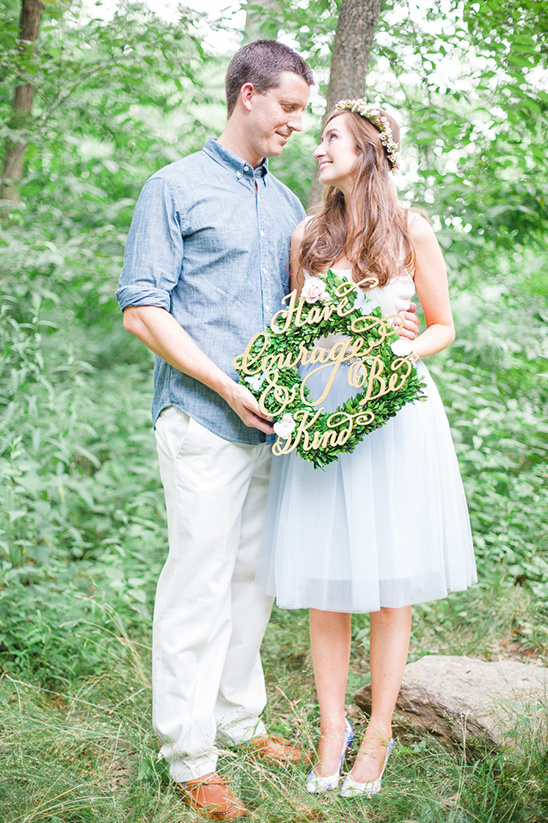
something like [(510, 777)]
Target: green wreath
[(373, 351)]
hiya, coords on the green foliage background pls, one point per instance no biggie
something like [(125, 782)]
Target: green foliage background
[(82, 530)]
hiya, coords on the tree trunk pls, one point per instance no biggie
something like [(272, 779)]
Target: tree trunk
[(29, 24), (349, 58)]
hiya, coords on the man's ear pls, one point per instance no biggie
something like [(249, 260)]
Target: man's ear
[(247, 93)]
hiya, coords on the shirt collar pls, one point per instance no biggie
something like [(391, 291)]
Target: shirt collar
[(231, 161)]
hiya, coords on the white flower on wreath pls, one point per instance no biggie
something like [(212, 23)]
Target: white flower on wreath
[(365, 304), (359, 302), (369, 306), (285, 426), (256, 381), (314, 290), (402, 347)]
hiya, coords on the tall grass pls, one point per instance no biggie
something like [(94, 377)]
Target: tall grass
[(87, 754)]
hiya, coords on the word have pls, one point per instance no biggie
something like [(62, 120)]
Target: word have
[(293, 315)]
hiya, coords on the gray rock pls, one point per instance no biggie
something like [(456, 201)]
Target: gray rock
[(504, 703)]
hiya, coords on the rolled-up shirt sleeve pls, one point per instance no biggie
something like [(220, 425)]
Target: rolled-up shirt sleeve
[(153, 257)]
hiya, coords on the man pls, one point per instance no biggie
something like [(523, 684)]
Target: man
[(206, 266)]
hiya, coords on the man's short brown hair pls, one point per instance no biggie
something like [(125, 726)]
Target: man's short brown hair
[(261, 63)]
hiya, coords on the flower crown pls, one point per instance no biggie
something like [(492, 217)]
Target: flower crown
[(374, 115)]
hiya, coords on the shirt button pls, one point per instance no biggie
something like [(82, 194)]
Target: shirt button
[(246, 168), (238, 174), (262, 233), (267, 307)]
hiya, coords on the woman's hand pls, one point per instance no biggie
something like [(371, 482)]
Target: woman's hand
[(409, 328)]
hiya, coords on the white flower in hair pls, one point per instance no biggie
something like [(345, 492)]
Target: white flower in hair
[(373, 114)]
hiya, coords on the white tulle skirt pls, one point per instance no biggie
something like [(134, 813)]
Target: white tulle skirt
[(384, 526)]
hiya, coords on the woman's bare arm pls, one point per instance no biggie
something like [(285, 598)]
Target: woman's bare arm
[(432, 290)]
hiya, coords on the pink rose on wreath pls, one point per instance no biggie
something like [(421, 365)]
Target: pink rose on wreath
[(314, 290)]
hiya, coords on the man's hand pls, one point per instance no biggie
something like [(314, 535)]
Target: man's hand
[(246, 406), (409, 328)]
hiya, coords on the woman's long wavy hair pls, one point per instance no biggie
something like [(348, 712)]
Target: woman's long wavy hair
[(371, 229)]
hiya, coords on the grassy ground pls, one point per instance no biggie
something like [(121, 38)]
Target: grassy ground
[(88, 754)]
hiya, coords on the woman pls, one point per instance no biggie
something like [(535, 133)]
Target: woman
[(386, 526)]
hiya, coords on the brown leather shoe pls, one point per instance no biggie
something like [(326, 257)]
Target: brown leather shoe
[(277, 750), (210, 796)]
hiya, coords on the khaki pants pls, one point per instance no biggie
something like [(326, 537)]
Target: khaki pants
[(209, 615)]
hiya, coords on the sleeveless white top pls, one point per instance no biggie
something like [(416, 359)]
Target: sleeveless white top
[(394, 297)]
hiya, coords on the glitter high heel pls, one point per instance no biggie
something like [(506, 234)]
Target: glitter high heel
[(351, 788), (316, 784)]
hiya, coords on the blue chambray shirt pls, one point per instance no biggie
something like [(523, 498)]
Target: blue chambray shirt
[(212, 248)]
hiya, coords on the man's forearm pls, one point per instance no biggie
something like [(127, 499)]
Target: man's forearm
[(161, 333)]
